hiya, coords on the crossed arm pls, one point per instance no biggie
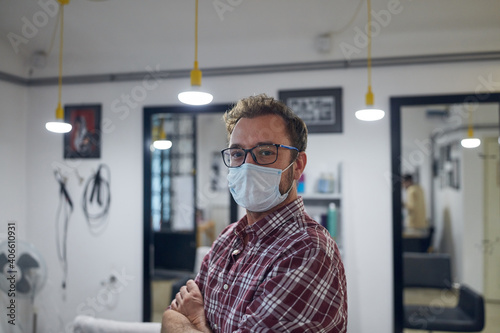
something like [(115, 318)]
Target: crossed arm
[(305, 291), (186, 313)]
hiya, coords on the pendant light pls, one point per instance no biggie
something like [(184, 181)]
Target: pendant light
[(370, 113), (195, 96), (59, 126), (470, 141), (162, 143)]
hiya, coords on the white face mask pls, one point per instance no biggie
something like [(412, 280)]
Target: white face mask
[(256, 188)]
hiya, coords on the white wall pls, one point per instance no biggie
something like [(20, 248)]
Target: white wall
[(91, 259), (460, 212), (364, 149), (474, 219), (13, 200)]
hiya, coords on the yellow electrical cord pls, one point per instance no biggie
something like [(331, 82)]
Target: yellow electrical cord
[(196, 73), (369, 94), (370, 113), (369, 51), (59, 110), (470, 130), (195, 96), (196, 33)]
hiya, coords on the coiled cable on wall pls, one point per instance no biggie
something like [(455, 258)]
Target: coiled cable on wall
[(97, 199), (65, 209)]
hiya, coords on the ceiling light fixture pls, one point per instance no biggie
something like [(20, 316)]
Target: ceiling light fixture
[(470, 141), (370, 113), (59, 126), (162, 143), (195, 96)]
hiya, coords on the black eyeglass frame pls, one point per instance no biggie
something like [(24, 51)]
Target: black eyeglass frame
[(277, 145)]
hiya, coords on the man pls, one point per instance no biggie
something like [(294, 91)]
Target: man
[(275, 269), (416, 221)]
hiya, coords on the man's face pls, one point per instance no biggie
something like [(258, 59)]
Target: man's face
[(267, 129)]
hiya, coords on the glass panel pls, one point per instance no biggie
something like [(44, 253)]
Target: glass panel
[(172, 179)]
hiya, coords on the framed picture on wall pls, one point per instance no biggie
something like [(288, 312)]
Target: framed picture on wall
[(84, 139), (321, 109), (455, 174), (449, 166)]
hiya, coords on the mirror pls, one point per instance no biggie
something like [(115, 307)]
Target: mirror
[(186, 200), (461, 188)]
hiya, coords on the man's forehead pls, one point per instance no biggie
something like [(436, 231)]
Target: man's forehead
[(268, 129)]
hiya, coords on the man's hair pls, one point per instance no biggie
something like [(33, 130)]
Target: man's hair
[(408, 178), (260, 105)]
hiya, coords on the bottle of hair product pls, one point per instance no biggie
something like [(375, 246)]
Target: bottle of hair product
[(301, 184), (322, 184), (331, 188), (332, 220)]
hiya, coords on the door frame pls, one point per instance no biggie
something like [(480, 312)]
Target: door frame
[(148, 246), (396, 105)]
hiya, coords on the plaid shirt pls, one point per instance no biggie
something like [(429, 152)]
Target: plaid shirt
[(288, 278)]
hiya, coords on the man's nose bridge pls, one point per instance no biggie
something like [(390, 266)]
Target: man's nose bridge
[(249, 158)]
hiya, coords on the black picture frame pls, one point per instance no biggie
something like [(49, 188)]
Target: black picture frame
[(84, 139), (449, 166), (321, 109)]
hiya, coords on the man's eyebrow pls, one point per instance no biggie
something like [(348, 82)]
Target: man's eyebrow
[(236, 145)]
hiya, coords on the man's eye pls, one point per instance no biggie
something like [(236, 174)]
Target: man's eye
[(266, 152), (236, 154)]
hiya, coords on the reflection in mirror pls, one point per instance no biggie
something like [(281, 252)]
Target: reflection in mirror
[(446, 213), (213, 199), (186, 200)]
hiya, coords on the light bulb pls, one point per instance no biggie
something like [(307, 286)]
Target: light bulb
[(162, 144), (370, 114), (195, 97), (470, 142), (58, 126)]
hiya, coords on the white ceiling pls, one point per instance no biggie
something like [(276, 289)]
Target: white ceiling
[(111, 36)]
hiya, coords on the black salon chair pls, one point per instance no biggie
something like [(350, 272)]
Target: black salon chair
[(427, 270), (427, 243), (419, 244), (431, 270)]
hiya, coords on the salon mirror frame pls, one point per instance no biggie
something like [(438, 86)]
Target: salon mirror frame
[(396, 105), (148, 113)]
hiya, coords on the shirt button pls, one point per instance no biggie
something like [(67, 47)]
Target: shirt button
[(215, 326), (226, 287), (235, 252)]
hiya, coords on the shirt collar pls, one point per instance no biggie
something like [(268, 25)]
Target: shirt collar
[(270, 222)]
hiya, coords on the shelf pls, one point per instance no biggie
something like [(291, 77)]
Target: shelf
[(320, 196), (321, 199)]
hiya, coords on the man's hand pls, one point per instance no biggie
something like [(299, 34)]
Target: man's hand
[(189, 302)]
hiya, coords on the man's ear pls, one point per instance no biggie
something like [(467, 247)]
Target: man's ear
[(300, 165)]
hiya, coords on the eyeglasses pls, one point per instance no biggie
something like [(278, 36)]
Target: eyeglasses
[(261, 154)]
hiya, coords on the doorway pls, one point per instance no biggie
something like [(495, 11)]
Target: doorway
[(446, 173), (186, 201)]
